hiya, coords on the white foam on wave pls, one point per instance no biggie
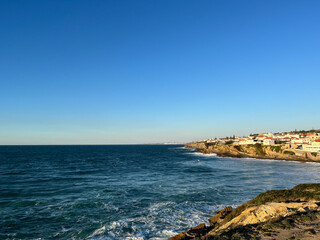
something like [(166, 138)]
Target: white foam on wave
[(133, 238), (313, 163), (202, 154), (271, 160), (158, 222), (179, 148), (98, 232), (169, 232)]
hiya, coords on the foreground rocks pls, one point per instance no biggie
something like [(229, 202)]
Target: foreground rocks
[(265, 212), (276, 214)]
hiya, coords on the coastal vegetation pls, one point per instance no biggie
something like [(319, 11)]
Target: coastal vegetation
[(239, 148), (289, 153), (207, 144), (259, 149), (305, 131), (276, 148)]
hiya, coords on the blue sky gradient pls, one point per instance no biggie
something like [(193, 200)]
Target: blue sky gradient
[(108, 72)]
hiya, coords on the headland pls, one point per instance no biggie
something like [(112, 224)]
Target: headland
[(293, 146)]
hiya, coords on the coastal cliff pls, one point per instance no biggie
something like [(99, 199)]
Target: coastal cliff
[(255, 151), (275, 214)]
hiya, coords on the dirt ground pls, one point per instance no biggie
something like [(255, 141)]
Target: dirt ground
[(303, 231)]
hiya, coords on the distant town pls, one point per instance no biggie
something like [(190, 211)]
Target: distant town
[(308, 141)]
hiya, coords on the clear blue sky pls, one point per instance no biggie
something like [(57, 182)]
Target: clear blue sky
[(100, 72)]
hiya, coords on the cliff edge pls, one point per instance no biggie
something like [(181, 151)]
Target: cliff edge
[(255, 151)]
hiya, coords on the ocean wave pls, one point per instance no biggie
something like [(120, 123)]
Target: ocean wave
[(160, 221), (98, 232), (199, 154), (313, 163), (137, 192), (179, 148), (270, 160)]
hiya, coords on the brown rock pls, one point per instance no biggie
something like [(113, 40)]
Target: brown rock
[(265, 212), (200, 226), (192, 233), (220, 216), (197, 231), (180, 236)]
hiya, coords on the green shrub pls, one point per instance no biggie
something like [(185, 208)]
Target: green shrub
[(308, 187), (259, 149), (314, 154), (229, 142), (287, 223), (239, 148), (289, 153), (210, 144), (276, 149)]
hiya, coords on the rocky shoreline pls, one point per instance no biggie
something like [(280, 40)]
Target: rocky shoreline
[(275, 214), (255, 151)]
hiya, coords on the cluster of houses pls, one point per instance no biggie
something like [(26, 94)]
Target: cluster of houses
[(304, 141)]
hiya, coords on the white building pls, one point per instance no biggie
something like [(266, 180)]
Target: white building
[(298, 140), (246, 140), (268, 141), (313, 147)]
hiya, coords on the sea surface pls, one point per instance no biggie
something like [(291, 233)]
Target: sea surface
[(127, 192)]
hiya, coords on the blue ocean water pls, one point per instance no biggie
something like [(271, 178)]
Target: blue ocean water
[(127, 192)]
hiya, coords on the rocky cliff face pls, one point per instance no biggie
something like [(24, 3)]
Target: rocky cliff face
[(265, 212), (255, 151), (277, 214)]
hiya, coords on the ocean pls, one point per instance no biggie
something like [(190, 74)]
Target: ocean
[(127, 192)]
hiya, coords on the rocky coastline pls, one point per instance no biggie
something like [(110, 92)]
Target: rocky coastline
[(277, 152), (276, 214)]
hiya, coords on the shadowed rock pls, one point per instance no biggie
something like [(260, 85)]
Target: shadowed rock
[(220, 216)]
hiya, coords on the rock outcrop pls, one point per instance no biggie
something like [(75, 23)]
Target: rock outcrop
[(266, 212), (219, 217), (278, 214)]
